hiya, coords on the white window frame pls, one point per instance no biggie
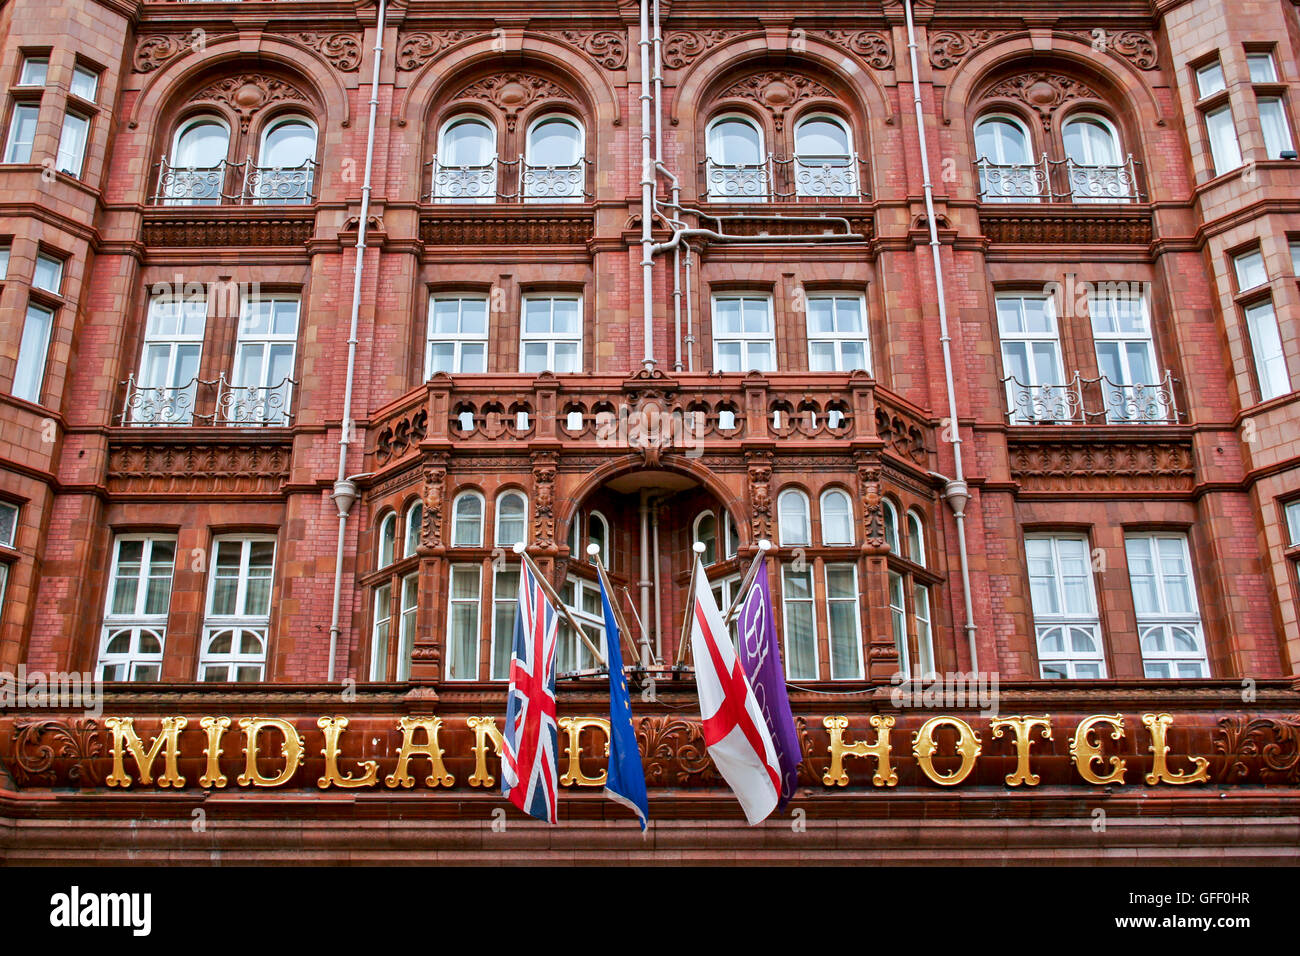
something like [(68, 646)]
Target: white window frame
[(489, 188), (1266, 348), (915, 541), (32, 62), (135, 623), (456, 541), (856, 671), (890, 512), (1225, 149), (841, 494), (496, 517), (383, 622), (407, 611), (1029, 161), (459, 339), (412, 524), (1029, 339), (1210, 79), (267, 341), (705, 559), (1292, 511), (89, 76), (9, 525), (504, 598), (1247, 264), (239, 622), (836, 338), (173, 341), (1066, 623), (1276, 128), (787, 534), (848, 160), (529, 193), (71, 155), (551, 339), (309, 163), (52, 265), (811, 601), (387, 540), (1161, 622), (33, 353), (19, 151), (742, 338), (606, 550), (4, 262), (452, 603), (716, 192), (576, 655), (1119, 398)]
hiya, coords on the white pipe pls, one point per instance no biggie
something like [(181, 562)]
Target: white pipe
[(644, 583), (647, 194), (654, 536), (344, 490), (955, 492), (690, 328)]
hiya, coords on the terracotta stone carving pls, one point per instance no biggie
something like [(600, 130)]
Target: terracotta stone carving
[(250, 92), (343, 50)]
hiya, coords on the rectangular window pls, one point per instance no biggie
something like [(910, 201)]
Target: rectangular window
[(263, 375), (4, 262), (924, 633), (505, 601), (800, 623), (380, 632), (843, 621), (550, 337), (85, 83), (22, 133), (1031, 359), (1126, 357), (1225, 153), (743, 338), (464, 596), (239, 610), (169, 362), (582, 597), (32, 351), (72, 143), (1209, 80), (1266, 343), (1066, 625), (1249, 267), (1273, 123), (1168, 620), (1262, 69), (407, 612), (458, 335), (837, 334), (8, 524), (1295, 257), (34, 71), (135, 616), (725, 591), (1292, 523), (898, 616), (48, 274)]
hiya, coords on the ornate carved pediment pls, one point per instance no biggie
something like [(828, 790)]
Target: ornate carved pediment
[(777, 91), (1043, 92), (248, 93)]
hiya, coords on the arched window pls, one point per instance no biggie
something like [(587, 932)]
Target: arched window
[(792, 516), (512, 519), (387, 539), (196, 173), (915, 538), (414, 521), (737, 167), (598, 534), (467, 520), (823, 158), (706, 533), (1004, 153), (730, 534), (837, 517), (1095, 167), (891, 525), (286, 162), (554, 170), (465, 167)]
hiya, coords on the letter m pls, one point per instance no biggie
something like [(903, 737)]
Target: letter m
[(125, 738)]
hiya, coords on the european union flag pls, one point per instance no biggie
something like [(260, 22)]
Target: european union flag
[(625, 778)]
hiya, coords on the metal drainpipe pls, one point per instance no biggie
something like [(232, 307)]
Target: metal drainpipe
[(690, 329), (658, 87), (955, 491), (647, 194), (644, 583), (654, 541), (345, 490)]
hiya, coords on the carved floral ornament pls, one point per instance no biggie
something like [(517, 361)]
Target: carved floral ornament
[(777, 92), (948, 48), (682, 48), (341, 50), (606, 47), (1043, 92), (512, 92), (248, 93)]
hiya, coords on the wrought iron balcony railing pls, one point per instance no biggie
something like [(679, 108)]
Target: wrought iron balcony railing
[(1036, 182), (235, 184), (508, 181), (1085, 401), (241, 406), (797, 179)]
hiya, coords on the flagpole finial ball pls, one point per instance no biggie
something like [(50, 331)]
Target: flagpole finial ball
[(699, 547), (764, 544), (593, 549), (518, 547)]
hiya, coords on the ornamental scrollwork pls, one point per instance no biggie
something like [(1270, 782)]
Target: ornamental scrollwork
[(674, 752), (1270, 743), (38, 743), (949, 47), (1043, 92), (604, 46), (342, 50), (872, 45), (682, 49), (416, 49)]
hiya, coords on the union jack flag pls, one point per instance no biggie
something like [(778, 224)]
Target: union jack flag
[(528, 761)]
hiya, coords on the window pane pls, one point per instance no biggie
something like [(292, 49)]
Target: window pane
[(30, 372)]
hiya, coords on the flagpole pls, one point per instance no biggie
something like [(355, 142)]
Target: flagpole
[(747, 582), (593, 550), (640, 628), (519, 549), (698, 549)]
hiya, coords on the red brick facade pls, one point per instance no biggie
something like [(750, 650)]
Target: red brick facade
[(1216, 465)]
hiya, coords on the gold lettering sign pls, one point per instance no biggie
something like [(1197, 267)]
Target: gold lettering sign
[(1084, 751), (1157, 724), (1022, 727), (924, 746), (835, 775), (485, 729), (334, 727), (291, 750), (573, 728), (438, 774), (125, 738), (214, 727)]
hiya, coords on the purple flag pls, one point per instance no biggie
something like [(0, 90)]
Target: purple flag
[(760, 656)]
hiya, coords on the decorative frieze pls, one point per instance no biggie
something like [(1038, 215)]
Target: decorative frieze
[(1113, 466), (194, 468), (1070, 227), (186, 227)]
